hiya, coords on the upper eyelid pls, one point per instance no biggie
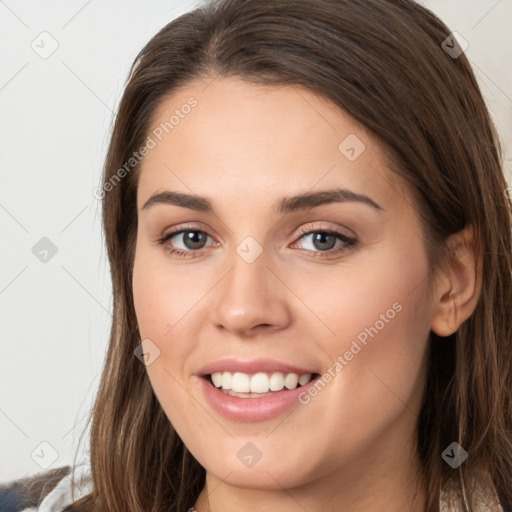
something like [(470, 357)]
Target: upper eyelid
[(181, 229), (339, 231), (301, 230)]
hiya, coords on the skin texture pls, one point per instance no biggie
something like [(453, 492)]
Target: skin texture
[(245, 147)]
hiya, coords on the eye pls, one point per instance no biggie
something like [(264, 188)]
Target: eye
[(325, 241), (321, 242), (186, 243)]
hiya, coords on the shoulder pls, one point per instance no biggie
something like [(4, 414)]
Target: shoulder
[(50, 491)]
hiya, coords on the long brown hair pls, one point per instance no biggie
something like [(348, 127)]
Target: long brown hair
[(383, 62)]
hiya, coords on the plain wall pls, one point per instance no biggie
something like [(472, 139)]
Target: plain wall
[(56, 115)]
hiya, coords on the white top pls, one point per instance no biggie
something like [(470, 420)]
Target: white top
[(60, 496)]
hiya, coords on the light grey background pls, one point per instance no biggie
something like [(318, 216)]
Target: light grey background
[(56, 116)]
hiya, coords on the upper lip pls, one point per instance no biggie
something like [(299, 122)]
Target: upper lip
[(251, 367)]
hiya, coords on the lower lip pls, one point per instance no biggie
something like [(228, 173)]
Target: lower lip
[(253, 409)]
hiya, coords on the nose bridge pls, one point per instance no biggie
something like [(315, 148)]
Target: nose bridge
[(248, 296)]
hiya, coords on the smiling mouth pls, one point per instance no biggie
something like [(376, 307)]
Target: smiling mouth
[(257, 385)]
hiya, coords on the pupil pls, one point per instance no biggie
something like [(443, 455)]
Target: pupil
[(194, 239), (319, 240)]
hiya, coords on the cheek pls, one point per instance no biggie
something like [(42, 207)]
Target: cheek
[(163, 296), (164, 306), (379, 297), (381, 320), (376, 318)]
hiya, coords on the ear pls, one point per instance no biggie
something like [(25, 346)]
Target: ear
[(459, 284)]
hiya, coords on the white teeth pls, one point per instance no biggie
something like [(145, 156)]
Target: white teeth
[(226, 380), (217, 379), (304, 379), (291, 380), (276, 381), (259, 382), (241, 382)]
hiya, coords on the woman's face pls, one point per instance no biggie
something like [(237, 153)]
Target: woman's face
[(266, 289)]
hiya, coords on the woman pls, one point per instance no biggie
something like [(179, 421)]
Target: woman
[(309, 236)]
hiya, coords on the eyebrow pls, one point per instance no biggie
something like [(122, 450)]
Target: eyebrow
[(288, 204)]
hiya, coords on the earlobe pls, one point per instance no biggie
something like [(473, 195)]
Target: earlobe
[(459, 285)]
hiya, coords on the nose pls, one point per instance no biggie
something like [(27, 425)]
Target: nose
[(250, 299)]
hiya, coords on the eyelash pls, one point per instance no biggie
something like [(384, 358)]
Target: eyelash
[(348, 242)]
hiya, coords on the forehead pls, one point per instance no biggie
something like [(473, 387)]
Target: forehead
[(231, 137)]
